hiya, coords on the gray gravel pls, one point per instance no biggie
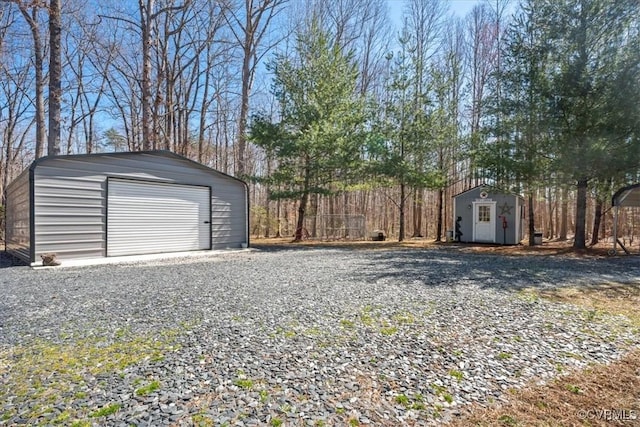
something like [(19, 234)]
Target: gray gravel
[(303, 336)]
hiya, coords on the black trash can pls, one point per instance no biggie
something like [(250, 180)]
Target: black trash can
[(537, 237)]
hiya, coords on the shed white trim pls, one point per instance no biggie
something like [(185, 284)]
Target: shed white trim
[(484, 223)]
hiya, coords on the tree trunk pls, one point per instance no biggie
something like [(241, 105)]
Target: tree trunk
[(55, 76), (244, 104), (32, 20), (439, 208), (402, 209), (304, 199), (596, 222), (148, 137), (417, 213), (579, 241), (301, 210), (532, 225), (564, 214), (278, 232)]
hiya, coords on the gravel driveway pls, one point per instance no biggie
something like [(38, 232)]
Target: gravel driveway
[(293, 336)]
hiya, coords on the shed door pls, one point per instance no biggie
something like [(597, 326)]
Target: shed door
[(484, 222), (149, 217)]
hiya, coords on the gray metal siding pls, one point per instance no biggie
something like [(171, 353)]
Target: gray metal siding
[(18, 214), (228, 224), (71, 199), (69, 212)]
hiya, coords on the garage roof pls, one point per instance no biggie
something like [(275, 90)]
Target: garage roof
[(627, 196)]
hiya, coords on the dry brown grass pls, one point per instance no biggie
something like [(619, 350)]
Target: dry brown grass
[(614, 298), (549, 248), (579, 399), (598, 396), (350, 244)]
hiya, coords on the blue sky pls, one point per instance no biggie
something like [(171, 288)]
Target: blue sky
[(459, 7)]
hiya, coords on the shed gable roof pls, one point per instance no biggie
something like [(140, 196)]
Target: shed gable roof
[(489, 188)]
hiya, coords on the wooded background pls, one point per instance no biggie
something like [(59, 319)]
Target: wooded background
[(362, 107)]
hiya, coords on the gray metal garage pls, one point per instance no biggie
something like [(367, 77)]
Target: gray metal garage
[(114, 204)]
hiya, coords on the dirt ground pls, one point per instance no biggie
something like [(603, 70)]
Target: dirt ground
[(548, 248)]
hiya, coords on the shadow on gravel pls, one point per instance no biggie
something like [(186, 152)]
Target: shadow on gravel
[(7, 261), (282, 248), (450, 266)]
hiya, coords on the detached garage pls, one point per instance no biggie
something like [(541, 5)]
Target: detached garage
[(115, 204)]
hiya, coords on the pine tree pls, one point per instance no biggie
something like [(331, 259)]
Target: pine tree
[(317, 141)]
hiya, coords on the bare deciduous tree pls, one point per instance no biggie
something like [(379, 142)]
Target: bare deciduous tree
[(249, 21), (55, 75)]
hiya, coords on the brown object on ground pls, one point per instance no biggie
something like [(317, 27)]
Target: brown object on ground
[(49, 260)]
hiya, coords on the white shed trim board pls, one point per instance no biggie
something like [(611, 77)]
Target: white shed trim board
[(146, 217)]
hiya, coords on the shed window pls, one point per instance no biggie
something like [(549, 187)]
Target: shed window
[(484, 213)]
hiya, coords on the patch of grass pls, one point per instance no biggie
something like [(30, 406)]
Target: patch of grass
[(507, 420), (529, 295), (245, 383), (388, 330), (503, 355), (438, 389), (574, 388), (442, 392), (405, 318), (148, 389), (42, 373), (276, 422), (264, 396), (340, 411), (105, 411), (202, 420), (459, 375), (81, 424), (347, 324), (402, 400), (63, 417), (312, 332), (437, 410)]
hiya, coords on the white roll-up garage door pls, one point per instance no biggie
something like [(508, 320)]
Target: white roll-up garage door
[(149, 217)]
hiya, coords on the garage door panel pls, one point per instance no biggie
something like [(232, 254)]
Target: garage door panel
[(145, 217)]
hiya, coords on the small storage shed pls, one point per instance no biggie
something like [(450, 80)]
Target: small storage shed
[(625, 197), (486, 215), (115, 204)]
